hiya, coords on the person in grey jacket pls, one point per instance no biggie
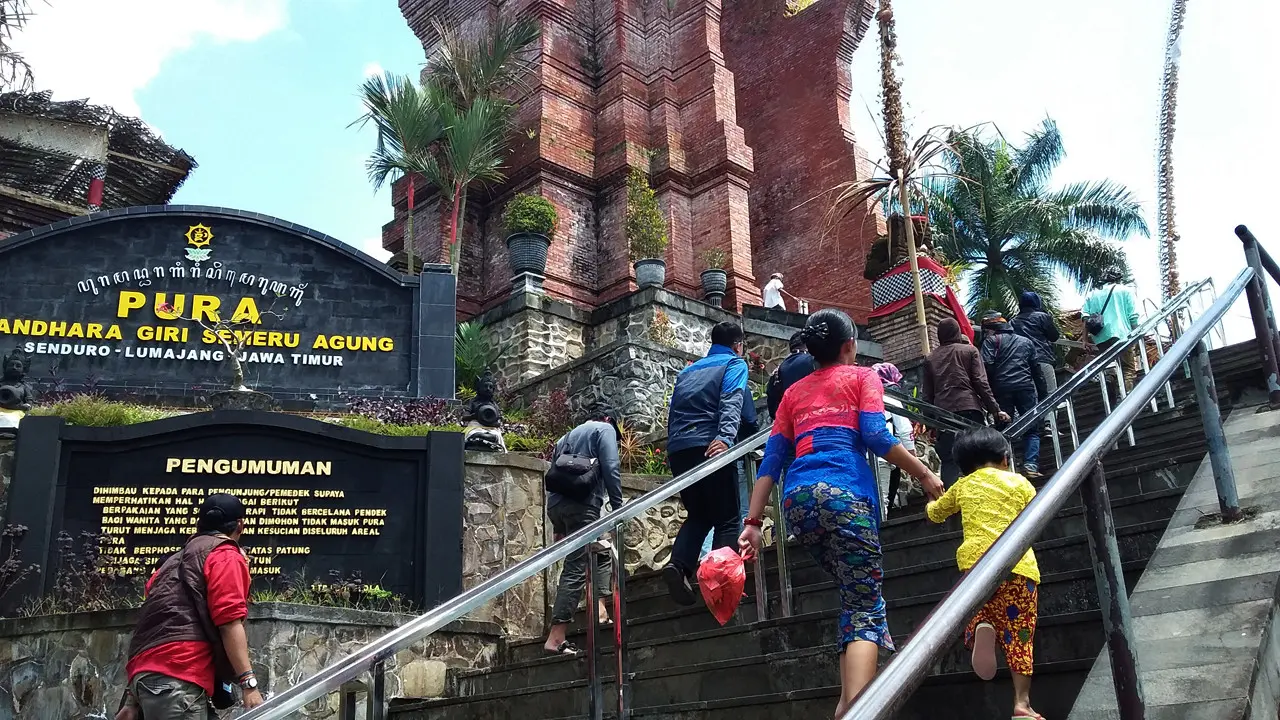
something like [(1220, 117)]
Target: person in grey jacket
[(596, 438)]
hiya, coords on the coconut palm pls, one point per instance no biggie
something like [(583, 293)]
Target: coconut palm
[(1169, 283), (411, 123), (15, 73), (474, 73), (997, 216)]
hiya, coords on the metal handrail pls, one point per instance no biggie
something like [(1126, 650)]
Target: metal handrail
[(935, 636), (1100, 363), (331, 678)]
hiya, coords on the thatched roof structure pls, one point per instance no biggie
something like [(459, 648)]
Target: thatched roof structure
[(39, 185)]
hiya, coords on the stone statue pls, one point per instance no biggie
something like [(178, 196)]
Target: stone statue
[(15, 394), (484, 417)]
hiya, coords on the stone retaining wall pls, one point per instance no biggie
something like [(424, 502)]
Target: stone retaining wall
[(72, 666)]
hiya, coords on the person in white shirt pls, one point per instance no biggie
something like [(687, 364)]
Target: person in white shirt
[(773, 293)]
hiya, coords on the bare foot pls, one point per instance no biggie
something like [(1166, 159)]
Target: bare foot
[(1022, 712)]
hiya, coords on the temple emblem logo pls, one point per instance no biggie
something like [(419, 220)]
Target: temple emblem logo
[(198, 237)]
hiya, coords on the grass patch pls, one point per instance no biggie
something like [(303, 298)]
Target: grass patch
[(94, 411)]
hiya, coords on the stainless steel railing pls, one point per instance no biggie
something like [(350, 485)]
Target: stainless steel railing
[(371, 657), (891, 689), (344, 676)]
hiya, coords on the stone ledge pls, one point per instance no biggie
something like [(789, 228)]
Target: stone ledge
[(289, 612), (510, 459), (594, 355), (517, 304)]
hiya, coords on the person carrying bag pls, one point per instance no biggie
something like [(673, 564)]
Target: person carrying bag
[(585, 470)]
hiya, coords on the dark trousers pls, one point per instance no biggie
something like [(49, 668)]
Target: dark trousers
[(711, 504), (947, 441), (1020, 401), (568, 517)]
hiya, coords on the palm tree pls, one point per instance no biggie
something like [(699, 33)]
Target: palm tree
[(471, 151), (1169, 283), (410, 125), (473, 74), (998, 218), (15, 73)]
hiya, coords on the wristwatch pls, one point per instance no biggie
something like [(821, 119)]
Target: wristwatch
[(249, 683)]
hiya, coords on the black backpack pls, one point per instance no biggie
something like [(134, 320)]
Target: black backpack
[(573, 476)]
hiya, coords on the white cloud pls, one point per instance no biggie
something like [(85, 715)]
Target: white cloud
[(107, 51), (372, 68), (372, 246)]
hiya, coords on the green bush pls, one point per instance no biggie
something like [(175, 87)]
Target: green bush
[(645, 225), (377, 427), (714, 259), (97, 411), (530, 213), (472, 353)]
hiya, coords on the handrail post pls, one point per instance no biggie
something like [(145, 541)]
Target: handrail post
[(1113, 598), (378, 692), (780, 548), (1219, 454), (1263, 317), (622, 664), (595, 693), (760, 568)]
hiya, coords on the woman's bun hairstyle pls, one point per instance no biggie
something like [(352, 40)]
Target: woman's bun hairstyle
[(826, 332)]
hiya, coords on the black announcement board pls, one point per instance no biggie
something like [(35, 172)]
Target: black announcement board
[(116, 299), (319, 497)]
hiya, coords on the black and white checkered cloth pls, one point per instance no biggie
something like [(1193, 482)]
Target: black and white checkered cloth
[(892, 288)]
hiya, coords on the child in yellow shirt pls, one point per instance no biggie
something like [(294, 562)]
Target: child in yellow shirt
[(988, 498)]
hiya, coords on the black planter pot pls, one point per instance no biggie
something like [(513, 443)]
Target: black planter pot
[(527, 253), (714, 282)]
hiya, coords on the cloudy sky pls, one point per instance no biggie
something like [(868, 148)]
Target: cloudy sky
[(261, 92), (1095, 67)]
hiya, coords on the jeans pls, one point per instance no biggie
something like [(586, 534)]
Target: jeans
[(1021, 401), (161, 697), (712, 505), (947, 440), (1046, 383), (568, 517), (744, 504)]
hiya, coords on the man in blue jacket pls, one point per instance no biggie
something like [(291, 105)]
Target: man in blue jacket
[(708, 405)]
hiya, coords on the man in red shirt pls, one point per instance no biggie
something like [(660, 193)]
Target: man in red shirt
[(190, 639)]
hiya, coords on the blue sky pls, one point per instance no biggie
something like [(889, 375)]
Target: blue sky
[(261, 93)]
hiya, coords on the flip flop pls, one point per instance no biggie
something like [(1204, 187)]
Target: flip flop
[(564, 648), (984, 651)]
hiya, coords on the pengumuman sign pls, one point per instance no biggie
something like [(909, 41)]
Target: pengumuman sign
[(124, 300)]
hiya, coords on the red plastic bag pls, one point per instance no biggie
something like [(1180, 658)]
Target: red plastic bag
[(722, 578)]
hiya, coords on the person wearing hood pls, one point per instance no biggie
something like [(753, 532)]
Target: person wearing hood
[(1010, 360), (1036, 325), (956, 380)]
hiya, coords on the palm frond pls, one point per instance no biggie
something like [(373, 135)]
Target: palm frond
[(485, 66), (410, 121), (1104, 207), (1038, 157)]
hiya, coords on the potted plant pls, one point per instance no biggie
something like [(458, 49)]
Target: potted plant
[(714, 278), (530, 221), (646, 231)]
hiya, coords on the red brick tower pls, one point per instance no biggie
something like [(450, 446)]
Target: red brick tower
[(645, 83)]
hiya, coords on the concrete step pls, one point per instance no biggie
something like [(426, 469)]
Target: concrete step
[(1060, 593), (724, 692)]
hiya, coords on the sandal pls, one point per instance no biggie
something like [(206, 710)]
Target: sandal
[(564, 648), (984, 651)]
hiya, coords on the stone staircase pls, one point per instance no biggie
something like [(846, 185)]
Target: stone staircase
[(686, 666)]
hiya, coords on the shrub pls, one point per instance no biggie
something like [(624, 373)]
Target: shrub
[(551, 416), (378, 427), (471, 354), (349, 591), (714, 259), (400, 411), (85, 580), (530, 213), (97, 411), (645, 225)]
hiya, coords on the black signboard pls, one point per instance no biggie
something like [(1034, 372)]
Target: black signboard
[(128, 299), (318, 497)]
